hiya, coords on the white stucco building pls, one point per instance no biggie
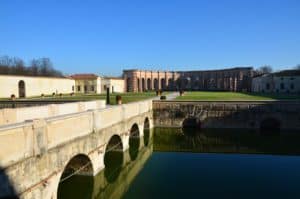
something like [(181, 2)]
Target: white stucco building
[(115, 85), (87, 83), (287, 81), (26, 86)]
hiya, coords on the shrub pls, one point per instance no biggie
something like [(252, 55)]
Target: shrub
[(118, 99), (12, 97), (163, 97)]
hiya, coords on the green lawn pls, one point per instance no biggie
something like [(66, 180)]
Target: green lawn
[(232, 96), (126, 97)]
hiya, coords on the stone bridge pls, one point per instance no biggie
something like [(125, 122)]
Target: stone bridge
[(228, 114), (37, 154)]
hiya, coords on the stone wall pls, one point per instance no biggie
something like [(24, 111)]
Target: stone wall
[(227, 114)]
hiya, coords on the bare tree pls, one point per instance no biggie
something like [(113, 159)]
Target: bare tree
[(16, 66), (266, 69)]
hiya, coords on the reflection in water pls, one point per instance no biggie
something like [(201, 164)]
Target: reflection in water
[(116, 188), (134, 142), (134, 145), (225, 141), (170, 175), (146, 131), (113, 161), (77, 187), (146, 136)]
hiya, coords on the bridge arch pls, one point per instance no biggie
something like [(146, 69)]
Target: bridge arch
[(113, 158), (134, 141), (81, 166), (146, 131), (191, 125)]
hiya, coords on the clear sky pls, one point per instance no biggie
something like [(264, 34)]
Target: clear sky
[(106, 37)]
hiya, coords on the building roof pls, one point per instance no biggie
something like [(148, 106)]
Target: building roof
[(288, 73), (188, 71), (109, 77), (84, 76)]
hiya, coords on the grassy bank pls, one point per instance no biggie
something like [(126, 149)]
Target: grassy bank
[(126, 97), (232, 96)]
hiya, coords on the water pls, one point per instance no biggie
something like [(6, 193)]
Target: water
[(209, 164)]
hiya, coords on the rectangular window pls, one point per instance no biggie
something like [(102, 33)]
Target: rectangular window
[(282, 86), (78, 88), (72, 88), (92, 88), (292, 86)]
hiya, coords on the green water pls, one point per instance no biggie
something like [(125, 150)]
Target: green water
[(207, 164)]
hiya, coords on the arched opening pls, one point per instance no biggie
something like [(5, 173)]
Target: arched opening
[(170, 84), (128, 85), (134, 142), (143, 84), (113, 158), (146, 131), (270, 126), (191, 126), (155, 84), (22, 90), (77, 180), (163, 83), (138, 85), (149, 87)]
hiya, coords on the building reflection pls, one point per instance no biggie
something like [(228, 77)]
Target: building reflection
[(225, 141)]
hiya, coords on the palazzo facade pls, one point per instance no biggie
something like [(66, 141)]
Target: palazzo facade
[(233, 79)]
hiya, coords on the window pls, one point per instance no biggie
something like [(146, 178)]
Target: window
[(292, 86), (282, 86), (72, 88), (78, 88), (281, 78), (268, 86), (92, 88), (292, 78)]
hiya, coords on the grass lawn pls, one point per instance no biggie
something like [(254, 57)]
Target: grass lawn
[(126, 97), (232, 96)]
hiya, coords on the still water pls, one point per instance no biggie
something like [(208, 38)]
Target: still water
[(207, 164)]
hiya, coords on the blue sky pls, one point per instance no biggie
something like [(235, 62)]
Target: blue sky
[(106, 37)]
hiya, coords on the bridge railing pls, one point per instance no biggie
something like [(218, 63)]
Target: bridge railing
[(10, 115), (34, 137)]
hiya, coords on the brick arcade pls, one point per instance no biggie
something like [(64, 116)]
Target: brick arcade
[(233, 79)]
